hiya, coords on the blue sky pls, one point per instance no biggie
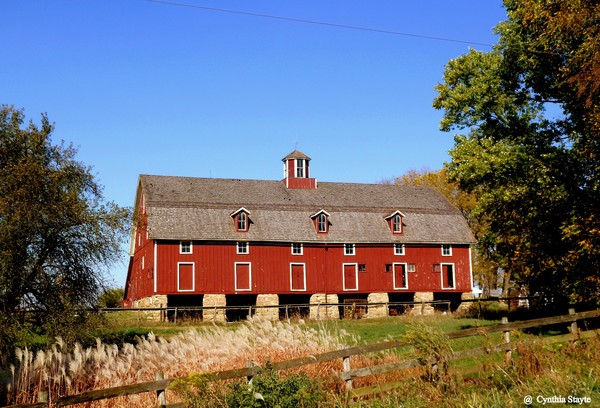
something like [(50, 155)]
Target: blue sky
[(145, 87)]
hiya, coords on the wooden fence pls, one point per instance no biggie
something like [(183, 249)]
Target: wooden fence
[(358, 309), (347, 374)]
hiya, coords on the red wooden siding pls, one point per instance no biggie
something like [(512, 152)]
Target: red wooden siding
[(243, 277), (322, 268), (350, 277), (400, 277), (297, 277), (185, 277)]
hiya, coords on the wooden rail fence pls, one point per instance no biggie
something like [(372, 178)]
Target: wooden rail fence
[(347, 374)]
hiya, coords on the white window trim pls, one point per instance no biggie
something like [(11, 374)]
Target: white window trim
[(449, 247), (300, 167), (301, 248), (193, 277), (442, 276), (249, 276), (304, 276), (402, 252), (344, 276), (237, 247), (399, 223), (352, 246), (394, 275), (322, 226), (181, 248)]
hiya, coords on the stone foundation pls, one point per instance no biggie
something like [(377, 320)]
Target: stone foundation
[(464, 306), (150, 302), (269, 313), (318, 312), (377, 310), (423, 309), (209, 313)]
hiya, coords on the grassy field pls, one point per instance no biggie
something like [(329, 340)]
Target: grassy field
[(191, 347)]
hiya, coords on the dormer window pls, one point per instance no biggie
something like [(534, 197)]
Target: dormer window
[(322, 223), (242, 222), (321, 220), (241, 219), (395, 222), (300, 168)]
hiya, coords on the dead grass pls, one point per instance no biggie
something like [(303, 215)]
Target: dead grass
[(211, 349)]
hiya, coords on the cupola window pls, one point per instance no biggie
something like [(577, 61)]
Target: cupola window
[(300, 168)]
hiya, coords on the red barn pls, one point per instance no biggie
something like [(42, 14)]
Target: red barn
[(216, 242)]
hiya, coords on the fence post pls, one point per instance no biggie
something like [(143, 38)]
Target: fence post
[(574, 324), (250, 364), (507, 348), (346, 365), (161, 398), (175, 317), (287, 315)]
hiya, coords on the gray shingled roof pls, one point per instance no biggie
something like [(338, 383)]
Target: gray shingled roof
[(185, 208)]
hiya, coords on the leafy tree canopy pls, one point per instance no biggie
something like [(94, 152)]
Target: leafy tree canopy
[(57, 233), (485, 268), (529, 111)]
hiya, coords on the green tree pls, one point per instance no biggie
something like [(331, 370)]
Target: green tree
[(57, 233), (485, 267), (111, 298), (530, 148)]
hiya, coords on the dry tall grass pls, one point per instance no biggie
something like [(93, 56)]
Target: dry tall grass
[(216, 348)]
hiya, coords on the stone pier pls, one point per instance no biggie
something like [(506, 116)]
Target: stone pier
[(318, 312), (209, 313), (377, 310), (464, 306), (423, 309), (150, 302), (269, 313)]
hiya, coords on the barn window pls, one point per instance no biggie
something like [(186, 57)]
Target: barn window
[(185, 247), (296, 248), (397, 224), (395, 221), (242, 222), (447, 250), (300, 168), (448, 278), (362, 267), (185, 277), (349, 249), (398, 249), (322, 223), (241, 219), (242, 248), (400, 279), (411, 268), (242, 276), (321, 220), (297, 277)]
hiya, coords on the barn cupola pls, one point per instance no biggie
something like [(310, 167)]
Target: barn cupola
[(296, 171)]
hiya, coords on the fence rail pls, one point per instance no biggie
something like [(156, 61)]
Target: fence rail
[(347, 374), (286, 310)]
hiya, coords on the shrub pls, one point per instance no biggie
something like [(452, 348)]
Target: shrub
[(266, 389)]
